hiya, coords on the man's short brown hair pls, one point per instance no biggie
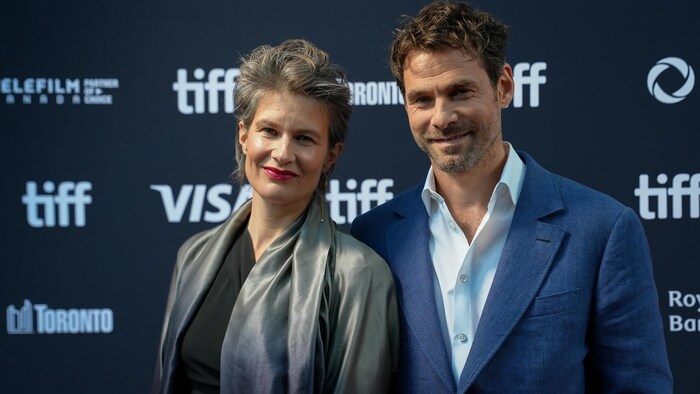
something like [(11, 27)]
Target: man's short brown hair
[(442, 25)]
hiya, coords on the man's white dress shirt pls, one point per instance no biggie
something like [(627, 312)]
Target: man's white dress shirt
[(463, 272)]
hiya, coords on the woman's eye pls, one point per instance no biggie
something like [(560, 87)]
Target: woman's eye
[(269, 131)]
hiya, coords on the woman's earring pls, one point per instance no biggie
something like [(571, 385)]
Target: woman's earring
[(324, 183)]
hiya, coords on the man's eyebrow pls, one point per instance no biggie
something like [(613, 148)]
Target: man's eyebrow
[(462, 82), (416, 93), (411, 95)]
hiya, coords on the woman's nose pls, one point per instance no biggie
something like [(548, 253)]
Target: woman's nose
[(283, 151)]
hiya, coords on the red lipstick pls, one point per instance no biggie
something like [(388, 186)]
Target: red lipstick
[(278, 174)]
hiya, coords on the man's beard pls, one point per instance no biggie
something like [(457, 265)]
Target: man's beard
[(455, 159)]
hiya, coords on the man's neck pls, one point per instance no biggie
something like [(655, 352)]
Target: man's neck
[(467, 194)]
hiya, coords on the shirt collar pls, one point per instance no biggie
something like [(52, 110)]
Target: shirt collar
[(511, 178)]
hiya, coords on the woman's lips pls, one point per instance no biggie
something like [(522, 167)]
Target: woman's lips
[(278, 174)]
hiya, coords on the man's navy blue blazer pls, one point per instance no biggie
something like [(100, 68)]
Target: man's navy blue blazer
[(573, 307)]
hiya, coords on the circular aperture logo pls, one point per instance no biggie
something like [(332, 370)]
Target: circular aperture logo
[(661, 66)]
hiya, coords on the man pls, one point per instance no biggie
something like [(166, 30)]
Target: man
[(510, 279)]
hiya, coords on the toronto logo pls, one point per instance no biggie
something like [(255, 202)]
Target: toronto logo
[(40, 319)]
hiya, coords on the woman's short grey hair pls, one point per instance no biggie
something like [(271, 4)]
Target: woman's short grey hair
[(295, 66)]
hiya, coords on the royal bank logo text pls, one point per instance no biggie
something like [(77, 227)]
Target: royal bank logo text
[(40, 319), (197, 203), (681, 304)]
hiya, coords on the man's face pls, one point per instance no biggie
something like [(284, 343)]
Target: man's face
[(453, 109)]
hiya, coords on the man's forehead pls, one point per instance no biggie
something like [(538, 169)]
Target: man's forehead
[(427, 57)]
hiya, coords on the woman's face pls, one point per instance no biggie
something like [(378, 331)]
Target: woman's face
[(286, 149)]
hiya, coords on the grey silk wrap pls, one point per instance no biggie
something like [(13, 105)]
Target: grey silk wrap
[(317, 313)]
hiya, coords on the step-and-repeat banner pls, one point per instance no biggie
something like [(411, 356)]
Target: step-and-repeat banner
[(118, 143)]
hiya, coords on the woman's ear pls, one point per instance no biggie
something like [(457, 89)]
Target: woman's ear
[(332, 156), (242, 136)]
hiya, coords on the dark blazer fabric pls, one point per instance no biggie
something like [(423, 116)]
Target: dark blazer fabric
[(573, 307)]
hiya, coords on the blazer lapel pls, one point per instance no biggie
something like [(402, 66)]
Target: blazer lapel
[(527, 256), (408, 239)]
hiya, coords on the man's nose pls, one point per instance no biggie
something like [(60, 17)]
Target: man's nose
[(444, 114)]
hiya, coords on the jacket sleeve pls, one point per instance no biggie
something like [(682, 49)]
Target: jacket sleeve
[(364, 339), (157, 375), (186, 253), (627, 348)]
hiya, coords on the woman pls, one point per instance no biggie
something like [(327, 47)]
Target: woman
[(276, 299)]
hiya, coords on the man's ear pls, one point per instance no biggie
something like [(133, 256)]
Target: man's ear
[(506, 86)]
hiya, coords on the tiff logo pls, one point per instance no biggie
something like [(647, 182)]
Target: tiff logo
[(372, 193), (533, 80), (41, 208), (20, 321), (191, 94), (683, 185)]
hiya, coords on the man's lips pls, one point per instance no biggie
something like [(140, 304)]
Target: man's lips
[(449, 138), (280, 174)]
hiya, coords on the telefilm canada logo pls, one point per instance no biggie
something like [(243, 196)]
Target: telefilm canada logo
[(661, 67), (40, 319), (57, 91), (211, 203)]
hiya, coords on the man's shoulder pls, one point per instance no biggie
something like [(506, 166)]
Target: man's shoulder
[(354, 256), (575, 194), (396, 205), (572, 193), (571, 205), (371, 226)]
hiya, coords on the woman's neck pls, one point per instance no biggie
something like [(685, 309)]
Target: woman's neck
[(268, 221)]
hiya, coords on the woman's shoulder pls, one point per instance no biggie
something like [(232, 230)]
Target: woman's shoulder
[(194, 245), (354, 257)]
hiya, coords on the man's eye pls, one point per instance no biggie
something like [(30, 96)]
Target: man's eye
[(422, 100), (462, 92), (305, 139)]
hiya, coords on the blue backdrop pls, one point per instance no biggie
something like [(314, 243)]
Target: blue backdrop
[(117, 144)]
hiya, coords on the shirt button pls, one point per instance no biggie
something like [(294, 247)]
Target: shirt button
[(463, 278), (453, 226), (462, 337)]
